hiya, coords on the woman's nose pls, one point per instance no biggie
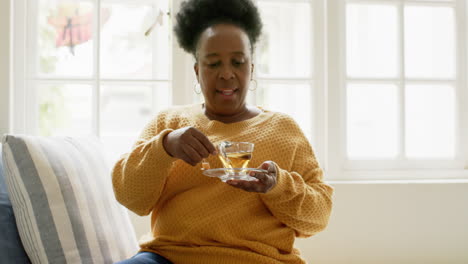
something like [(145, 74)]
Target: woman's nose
[(226, 73)]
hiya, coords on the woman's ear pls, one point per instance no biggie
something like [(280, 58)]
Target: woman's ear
[(195, 68)]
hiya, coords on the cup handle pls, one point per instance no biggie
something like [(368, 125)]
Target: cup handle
[(222, 149)]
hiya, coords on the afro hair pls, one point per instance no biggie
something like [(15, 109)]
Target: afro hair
[(197, 15)]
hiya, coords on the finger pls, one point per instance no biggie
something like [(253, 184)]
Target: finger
[(272, 168), (268, 166), (191, 153), (265, 166), (198, 147), (249, 186), (188, 160), (204, 141), (259, 175)]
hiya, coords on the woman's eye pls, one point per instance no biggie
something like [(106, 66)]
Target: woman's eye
[(238, 63), (214, 64)]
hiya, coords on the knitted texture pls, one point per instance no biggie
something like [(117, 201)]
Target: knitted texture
[(199, 219)]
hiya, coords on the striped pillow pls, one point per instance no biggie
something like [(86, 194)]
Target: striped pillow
[(62, 197)]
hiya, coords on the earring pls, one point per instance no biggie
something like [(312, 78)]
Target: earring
[(195, 85), (253, 81)]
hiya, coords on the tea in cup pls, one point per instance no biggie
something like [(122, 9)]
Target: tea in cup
[(235, 154)]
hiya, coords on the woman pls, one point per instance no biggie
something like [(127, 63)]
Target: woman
[(198, 219)]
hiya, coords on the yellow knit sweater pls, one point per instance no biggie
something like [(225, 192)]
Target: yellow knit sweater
[(198, 219)]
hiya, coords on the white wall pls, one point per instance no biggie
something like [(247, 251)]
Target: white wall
[(394, 223), (380, 223), (4, 64)]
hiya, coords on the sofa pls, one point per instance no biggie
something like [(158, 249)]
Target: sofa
[(57, 203)]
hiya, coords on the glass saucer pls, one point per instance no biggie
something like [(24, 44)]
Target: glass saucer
[(225, 174)]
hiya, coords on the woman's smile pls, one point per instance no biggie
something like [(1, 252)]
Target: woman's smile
[(227, 93)]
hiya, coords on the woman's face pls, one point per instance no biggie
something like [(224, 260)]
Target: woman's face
[(224, 68)]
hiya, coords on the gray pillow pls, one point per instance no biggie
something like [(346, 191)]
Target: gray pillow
[(11, 248), (63, 201)]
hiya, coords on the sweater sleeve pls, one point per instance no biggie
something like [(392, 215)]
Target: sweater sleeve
[(139, 177), (300, 198)]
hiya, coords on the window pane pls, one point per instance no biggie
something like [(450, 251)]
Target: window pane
[(65, 109), (65, 38), (372, 40), (372, 131), (292, 99), (430, 121), (125, 50), (285, 48), (126, 109), (429, 42)]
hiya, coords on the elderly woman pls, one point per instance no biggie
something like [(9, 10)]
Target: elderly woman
[(198, 219)]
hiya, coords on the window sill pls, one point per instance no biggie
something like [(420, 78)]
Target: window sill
[(398, 176)]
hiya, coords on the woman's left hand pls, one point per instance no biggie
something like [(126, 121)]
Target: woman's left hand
[(264, 182)]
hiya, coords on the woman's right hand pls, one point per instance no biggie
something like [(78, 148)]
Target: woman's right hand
[(189, 145)]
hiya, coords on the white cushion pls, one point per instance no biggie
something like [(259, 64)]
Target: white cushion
[(62, 197)]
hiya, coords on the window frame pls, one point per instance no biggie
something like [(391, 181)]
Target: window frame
[(317, 78), (327, 82), (24, 110), (6, 72), (344, 169)]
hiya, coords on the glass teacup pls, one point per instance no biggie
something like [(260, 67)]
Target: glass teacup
[(235, 157), (235, 154)]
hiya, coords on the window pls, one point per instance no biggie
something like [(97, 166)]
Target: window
[(402, 86), (287, 62), (378, 86), (90, 68)]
